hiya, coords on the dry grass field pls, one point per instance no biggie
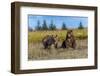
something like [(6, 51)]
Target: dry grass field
[(37, 52)]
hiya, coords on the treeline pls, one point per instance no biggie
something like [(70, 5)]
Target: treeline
[(52, 26)]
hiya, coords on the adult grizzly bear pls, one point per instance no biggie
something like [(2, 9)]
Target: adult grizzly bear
[(50, 40), (69, 41)]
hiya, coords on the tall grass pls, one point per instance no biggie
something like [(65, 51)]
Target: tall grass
[(37, 36)]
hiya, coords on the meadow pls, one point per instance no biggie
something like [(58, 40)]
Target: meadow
[(37, 36), (37, 52)]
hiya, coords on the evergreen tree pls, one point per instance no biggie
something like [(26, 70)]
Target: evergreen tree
[(44, 25), (64, 26), (52, 26), (38, 27), (80, 26)]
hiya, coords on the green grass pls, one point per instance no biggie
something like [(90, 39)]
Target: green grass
[(37, 36)]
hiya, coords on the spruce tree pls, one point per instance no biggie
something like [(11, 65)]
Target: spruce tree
[(64, 26), (80, 26), (52, 26), (38, 27), (44, 25)]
